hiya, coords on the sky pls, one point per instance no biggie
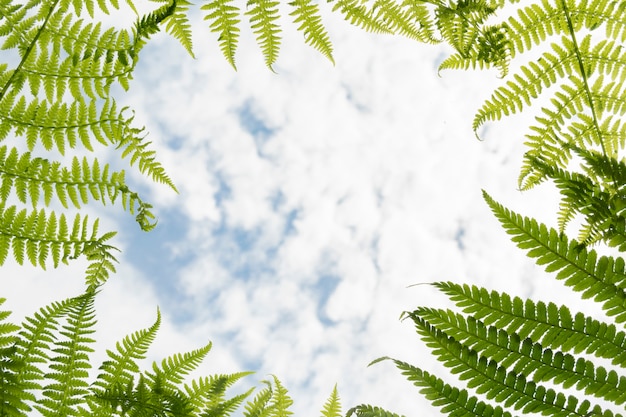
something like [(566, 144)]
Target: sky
[(310, 201)]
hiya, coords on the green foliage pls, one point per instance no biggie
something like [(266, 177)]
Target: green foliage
[(57, 98), (45, 366), (525, 356)]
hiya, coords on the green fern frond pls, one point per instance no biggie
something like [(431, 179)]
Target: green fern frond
[(33, 179), (462, 25), (523, 356), (547, 323), (207, 395), (366, 410), (359, 15), (263, 15), (420, 13), (7, 329), (146, 398), (452, 400), (177, 24), (13, 392), (600, 279), (271, 401), (259, 405), (122, 365), (399, 20), (35, 236), (497, 383), (533, 80), (132, 144), (174, 368), (307, 14), (69, 364), (332, 406), (586, 70), (224, 17), (281, 401)]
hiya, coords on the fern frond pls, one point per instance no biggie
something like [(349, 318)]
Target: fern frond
[(547, 323), (207, 394), (224, 17), (122, 366), (132, 144), (332, 406), (147, 397), (420, 13), (495, 382), (359, 15), (523, 356), (601, 279), (34, 178), (366, 410), (37, 235), (586, 70), (13, 391), (70, 364), (259, 405), (452, 400), (7, 329), (398, 19), (595, 197), (177, 24), (307, 14), (174, 368), (533, 79), (263, 15), (281, 401), (462, 25)]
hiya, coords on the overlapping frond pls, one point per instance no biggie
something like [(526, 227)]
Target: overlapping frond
[(271, 400), (366, 410), (44, 366), (69, 363), (477, 44), (551, 325), (177, 24), (582, 67), (597, 194), (175, 368), (58, 97), (13, 393)]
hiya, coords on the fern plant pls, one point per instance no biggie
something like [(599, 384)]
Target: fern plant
[(44, 366), (57, 101), (516, 356)]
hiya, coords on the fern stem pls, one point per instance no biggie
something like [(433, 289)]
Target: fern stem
[(583, 74), (28, 50)]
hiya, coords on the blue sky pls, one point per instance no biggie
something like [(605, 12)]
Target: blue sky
[(310, 200)]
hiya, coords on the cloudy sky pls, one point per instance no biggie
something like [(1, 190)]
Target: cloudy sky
[(310, 199)]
